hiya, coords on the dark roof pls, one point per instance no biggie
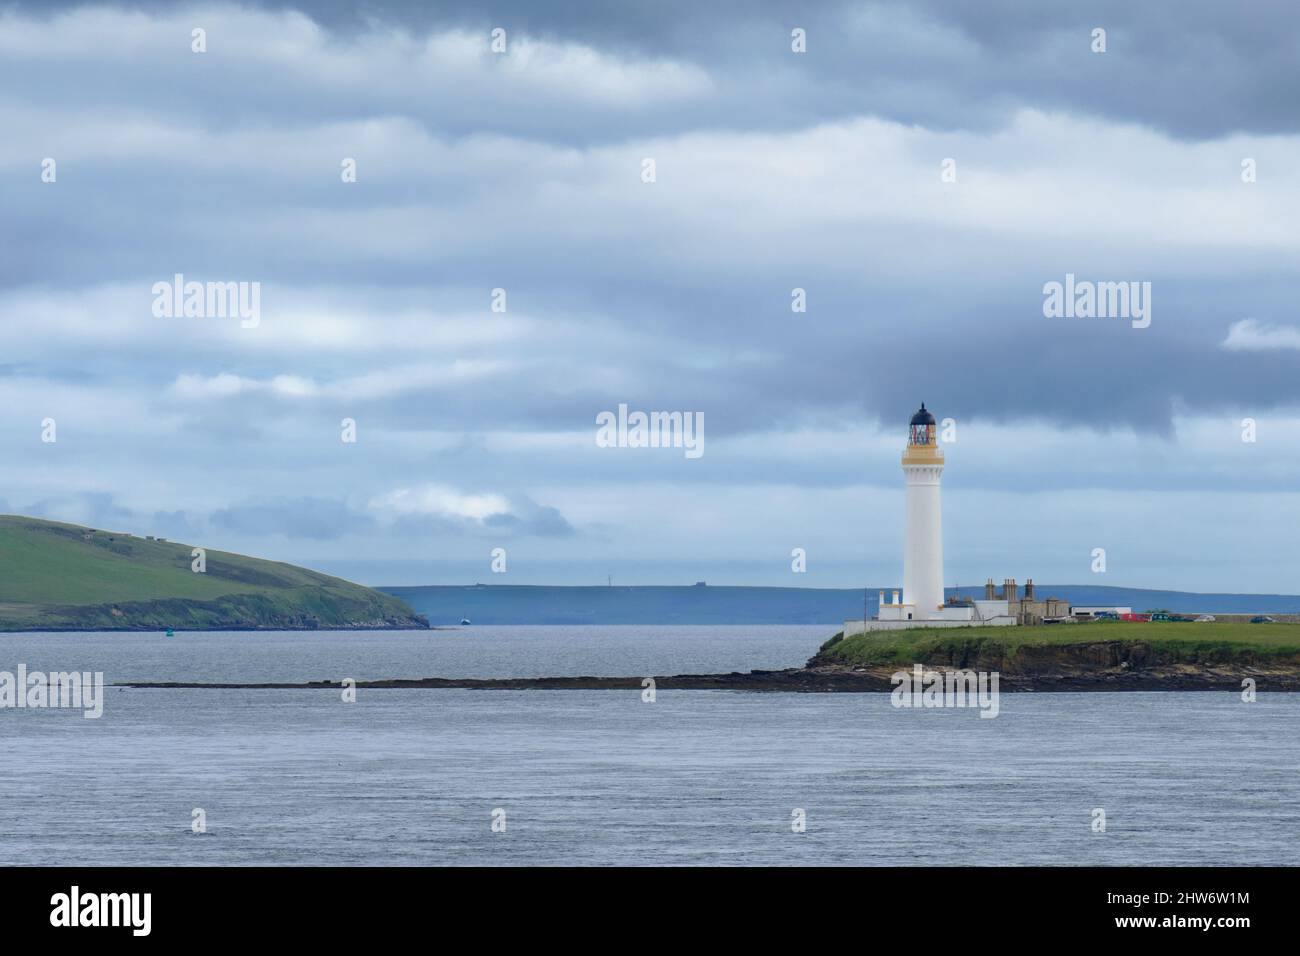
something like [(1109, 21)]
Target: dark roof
[(923, 417)]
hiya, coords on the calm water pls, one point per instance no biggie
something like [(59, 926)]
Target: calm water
[(502, 651), (412, 777)]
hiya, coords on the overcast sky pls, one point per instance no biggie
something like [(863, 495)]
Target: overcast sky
[(774, 170)]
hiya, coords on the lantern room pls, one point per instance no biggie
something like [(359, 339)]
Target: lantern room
[(922, 429)]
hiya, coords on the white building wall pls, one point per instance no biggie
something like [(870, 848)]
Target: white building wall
[(923, 549), (991, 609), (896, 612)]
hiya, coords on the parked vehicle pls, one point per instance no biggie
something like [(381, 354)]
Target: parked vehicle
[(1205, 619), (1135, 617), (1262, 619)]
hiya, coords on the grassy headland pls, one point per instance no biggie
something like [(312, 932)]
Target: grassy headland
[(56, 576), (1070, 648), (945, 643)]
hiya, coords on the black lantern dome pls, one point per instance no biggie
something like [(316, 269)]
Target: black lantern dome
[(923, 417)]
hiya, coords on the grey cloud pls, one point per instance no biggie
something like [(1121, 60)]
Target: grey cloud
[(1195, 70), (324, 519), (318, 519), (93, 508), (525, 520), (531, 519)]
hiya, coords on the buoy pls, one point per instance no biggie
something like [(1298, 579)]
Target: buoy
[(170, 632)]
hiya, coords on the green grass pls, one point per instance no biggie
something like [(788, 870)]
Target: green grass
[(63, 575), (1180, 640)]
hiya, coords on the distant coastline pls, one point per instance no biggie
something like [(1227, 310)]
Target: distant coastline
[(725, 604)]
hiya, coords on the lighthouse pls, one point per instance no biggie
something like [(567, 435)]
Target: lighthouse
[(920, 603), (923, 546)]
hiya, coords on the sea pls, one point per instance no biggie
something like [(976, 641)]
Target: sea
[(465, 777)]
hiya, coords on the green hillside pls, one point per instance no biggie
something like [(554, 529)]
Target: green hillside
[(56, 576)]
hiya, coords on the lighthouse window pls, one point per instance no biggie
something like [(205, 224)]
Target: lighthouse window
[(921, 434)]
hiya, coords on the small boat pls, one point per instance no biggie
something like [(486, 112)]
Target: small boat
[(464, 620)]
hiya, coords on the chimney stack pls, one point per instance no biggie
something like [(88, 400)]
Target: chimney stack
[(1009, 590), (1029, 589), (990, 592)]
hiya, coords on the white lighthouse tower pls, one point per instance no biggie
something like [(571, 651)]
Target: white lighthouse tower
[(921, 603), (923, 547), (922, 597)]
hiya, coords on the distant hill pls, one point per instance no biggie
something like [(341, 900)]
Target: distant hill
[(521, 604), (56, 576)]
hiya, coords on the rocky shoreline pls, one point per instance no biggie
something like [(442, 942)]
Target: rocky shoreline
[(815, 680), (1109, 665)]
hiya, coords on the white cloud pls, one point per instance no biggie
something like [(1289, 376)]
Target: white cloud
[(365, 387), (440, 501), (1251, 335), (288, 53)]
